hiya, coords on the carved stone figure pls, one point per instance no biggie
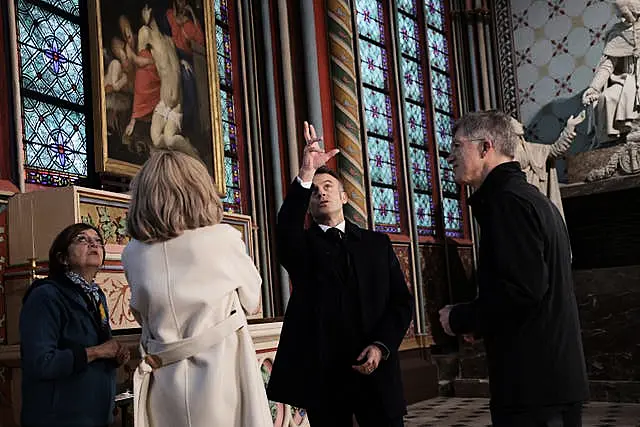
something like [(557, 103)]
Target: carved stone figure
[(614, 91), (537, 161)]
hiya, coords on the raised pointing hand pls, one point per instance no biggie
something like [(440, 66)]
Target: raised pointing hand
[(313, 156)]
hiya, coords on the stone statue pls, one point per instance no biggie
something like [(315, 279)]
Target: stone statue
[(537, 161), (614, 91)]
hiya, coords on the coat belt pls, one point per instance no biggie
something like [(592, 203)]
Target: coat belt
[(161, 354)]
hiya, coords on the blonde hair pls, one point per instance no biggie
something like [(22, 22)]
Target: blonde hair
[(173, 192)]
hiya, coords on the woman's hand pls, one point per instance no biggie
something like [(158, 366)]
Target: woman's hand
[(123, 356), (106, 350)]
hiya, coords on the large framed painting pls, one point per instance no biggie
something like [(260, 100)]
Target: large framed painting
[(155, 82)]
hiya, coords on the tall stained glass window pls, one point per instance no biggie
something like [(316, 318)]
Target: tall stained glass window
[(412, 72), (427, 109), (376, 98), (443, 102), (232, 155), (54, 107)]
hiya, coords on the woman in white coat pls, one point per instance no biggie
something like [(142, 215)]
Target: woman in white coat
[(191, 281)]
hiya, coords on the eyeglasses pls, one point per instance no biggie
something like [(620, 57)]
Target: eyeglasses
[(458, 143), (81, 239)]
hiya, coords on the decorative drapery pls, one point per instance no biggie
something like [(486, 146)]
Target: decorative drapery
[(346, 109)]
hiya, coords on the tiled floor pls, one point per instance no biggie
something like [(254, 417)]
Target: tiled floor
[(458, 412)]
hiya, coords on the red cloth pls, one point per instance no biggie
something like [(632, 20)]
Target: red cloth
[(183, 34), (147, 88)]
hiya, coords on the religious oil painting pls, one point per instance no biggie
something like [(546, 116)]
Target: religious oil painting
[(155, 82)]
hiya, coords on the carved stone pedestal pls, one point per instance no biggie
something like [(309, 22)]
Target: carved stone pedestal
[(596, 165)]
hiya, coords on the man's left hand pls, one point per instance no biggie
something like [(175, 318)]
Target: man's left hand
[(373, 356), (444, 319)]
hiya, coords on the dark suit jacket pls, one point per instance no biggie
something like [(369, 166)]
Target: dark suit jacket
[(526, 309), (386, 307)]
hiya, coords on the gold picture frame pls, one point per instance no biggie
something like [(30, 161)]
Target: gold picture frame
[(121, 22)]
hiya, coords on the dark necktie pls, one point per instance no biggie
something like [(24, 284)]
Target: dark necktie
[(335, 235)]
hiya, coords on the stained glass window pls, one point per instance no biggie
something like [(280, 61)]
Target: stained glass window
[(435, 14), (378, 115), (69, 6), (438, 50), (420, 168), (424, 214), (386, 210), (382, 161), (233, 200), (443, 104), (52, 91), (415, 116), (452, 217), (449, 186)]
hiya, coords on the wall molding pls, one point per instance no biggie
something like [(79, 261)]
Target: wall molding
[(507, 81)]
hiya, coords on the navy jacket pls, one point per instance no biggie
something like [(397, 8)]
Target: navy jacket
[(59, 387), (526, 309)]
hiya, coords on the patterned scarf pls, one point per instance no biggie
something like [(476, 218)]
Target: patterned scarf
[(93, 292)]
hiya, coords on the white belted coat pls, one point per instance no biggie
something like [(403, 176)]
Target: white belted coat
[(180, 290)]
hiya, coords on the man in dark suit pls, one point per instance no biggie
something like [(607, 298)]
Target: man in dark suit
[(526, 309), (349, 308)]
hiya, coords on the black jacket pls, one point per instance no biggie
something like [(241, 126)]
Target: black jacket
[(526, 309), (385, 309), (59, 387)]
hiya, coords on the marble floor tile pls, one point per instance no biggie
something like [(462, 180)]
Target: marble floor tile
[(464, 412)]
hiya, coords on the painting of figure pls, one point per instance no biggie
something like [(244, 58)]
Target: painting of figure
[(156, 82)]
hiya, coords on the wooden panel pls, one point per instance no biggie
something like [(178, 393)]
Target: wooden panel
[(403, 252), (35, 219), (435, 286)]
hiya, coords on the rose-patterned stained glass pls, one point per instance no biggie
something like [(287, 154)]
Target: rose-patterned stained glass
[(435, 14), (416, 119), (49, 179), (229, 137), (382, 163), (54, 138), (51, 65), (50, 53), (444, 125), (232, 202), (407, 6), (452, 217), (438, 50), (409, 38), (425, 221), (373, 64), (420, 168), (370, 19), (69, 6), (223, 49), (412, 80), (386, 211), (447, 177), (377, 110), (441, 90), (228, 122), (221, 10), (226, 102)]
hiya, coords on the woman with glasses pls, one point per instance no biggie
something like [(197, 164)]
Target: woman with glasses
[(68, 355)]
